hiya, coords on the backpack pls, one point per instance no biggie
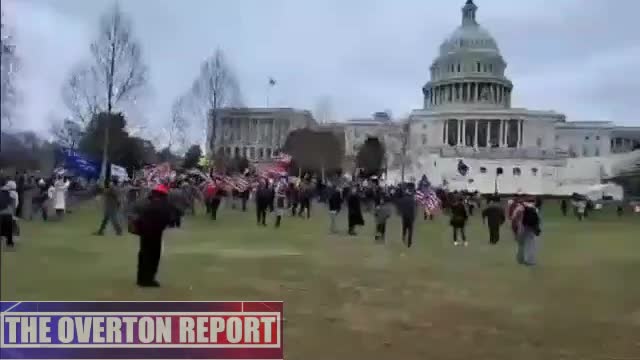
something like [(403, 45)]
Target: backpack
[(5, 199), (531, 219)]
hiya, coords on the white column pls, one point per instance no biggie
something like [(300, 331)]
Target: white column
[(501, 140), (519, 140), (475, 136), (464, 132), (489, 133), (445, 126)]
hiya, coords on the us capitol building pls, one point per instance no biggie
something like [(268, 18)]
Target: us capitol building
[(466, 116)]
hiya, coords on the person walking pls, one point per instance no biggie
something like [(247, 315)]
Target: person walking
[(382, 213), (149, 219), (407, 207), (60, 188), (9, 202), (354, 211), (280, 195), (213, 194), (112, 203), (39, 201), (526, 222), (335, 205), (458, 221), (263, 198), (494, 217)]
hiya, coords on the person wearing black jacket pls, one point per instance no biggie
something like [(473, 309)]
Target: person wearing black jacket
[(263, 199), (335, 205), (407, 208), (494, 217), (458, 220), (150, 218), (354, 211)]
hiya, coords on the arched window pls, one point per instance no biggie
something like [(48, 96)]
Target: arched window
[(458, 67), (499, 171), (597, 152), (478, 66), (534, 171), (424, 139), (517, 171), (483, 170)]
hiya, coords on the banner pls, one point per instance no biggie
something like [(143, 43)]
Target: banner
[(79, 164), (141, 330)]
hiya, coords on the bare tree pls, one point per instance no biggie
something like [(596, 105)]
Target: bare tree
[(66, 133), (9, 64), (324, 110), (112, 79), (215, 87), (179, 124)]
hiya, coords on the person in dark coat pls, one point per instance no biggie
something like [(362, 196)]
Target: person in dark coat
[(21, 186), (213, 197), (494, 217), (458, 220), (263, 199), (335, 205), (354, 211), (407, 208), (293, 197), (150, 218), (306, 193), (563, 207)]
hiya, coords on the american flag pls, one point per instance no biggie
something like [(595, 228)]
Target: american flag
[(236, 182), (283, 158), (429, 200)]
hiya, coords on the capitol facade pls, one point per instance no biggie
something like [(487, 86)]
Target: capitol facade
[(467, 116)]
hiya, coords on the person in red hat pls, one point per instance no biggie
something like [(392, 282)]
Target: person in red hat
[(151, 218)]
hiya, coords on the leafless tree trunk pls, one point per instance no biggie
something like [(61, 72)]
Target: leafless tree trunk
[(9, 65), (179, 124), (67, 132), (113, 78), (215, 87)]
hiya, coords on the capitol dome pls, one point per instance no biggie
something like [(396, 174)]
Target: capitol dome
[(469, 70)]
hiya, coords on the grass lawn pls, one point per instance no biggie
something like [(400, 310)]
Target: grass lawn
[(346, 298)]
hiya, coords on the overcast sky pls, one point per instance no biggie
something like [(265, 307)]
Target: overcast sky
[(579, 57)]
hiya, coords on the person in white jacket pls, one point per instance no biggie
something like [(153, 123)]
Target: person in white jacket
[(59, 197), (9, 202)]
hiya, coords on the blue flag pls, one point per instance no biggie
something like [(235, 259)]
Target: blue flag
[(79, 164)]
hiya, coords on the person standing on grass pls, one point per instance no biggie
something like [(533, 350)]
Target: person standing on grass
[(407, 208), (494, 217), (21, 186), (263, 198), (382, 213), (354, 211), (9, 202), (563, 207), (526, 222), (213, 194), (280, 195), (458, 221), (149, 219), (39, 200), (112, 199), (59, 196), (306, 193), (335, 205)]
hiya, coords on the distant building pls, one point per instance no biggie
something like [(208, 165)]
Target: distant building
[(255, 133)]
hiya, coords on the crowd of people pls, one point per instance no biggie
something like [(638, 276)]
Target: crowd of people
[(150, 207)]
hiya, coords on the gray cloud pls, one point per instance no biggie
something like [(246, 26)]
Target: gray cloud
[(576, 57)]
